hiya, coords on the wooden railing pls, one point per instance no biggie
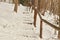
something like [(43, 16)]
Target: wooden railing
[(41, 5), (50, 24)]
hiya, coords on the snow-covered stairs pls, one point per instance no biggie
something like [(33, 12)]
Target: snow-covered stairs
[(17, 30), (14, 26), (28, 18)]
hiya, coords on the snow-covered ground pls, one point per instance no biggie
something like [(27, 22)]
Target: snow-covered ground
[(14, 26)]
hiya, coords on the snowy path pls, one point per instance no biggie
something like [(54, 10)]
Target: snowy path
[(19, 26), (15, 26)]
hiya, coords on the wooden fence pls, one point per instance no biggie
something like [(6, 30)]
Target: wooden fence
[(41, 7)]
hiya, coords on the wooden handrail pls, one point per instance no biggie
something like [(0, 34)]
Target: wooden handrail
[(53, 26)]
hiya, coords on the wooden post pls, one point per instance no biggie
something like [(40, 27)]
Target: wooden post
[(35, 11), (42, 7), (41, 23), (39, 5), (35, 17), (16, 5)]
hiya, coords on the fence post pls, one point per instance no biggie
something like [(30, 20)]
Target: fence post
[(16, 5), (42, 6), (35, 17), (35, 11), (41, 28)]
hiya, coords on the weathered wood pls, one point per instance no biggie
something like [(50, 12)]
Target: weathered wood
[(41, 25), (35, 11), (16, 5), (35, 17)]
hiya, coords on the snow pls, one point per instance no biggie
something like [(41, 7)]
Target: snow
[(13, 26)]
